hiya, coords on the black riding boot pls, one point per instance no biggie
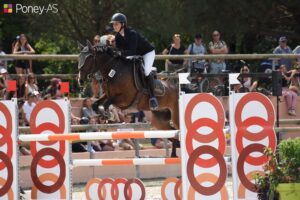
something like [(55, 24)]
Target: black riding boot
[(152, 100)]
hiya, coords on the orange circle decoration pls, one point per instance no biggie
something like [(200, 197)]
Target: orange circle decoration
[(62, 170), (115, 190), (204, 178), (47, 126), (49, 177), (92, 181), (164, 186), (242, 191), (10, 193)]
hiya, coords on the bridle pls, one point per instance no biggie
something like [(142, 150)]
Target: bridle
[(95, 62)]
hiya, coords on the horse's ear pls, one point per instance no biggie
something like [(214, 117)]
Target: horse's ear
[(80, 46), (90, 46)]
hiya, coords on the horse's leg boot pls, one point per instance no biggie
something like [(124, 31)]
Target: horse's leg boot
[(153, 103)]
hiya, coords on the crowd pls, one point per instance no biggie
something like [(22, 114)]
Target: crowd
[(28, 93)]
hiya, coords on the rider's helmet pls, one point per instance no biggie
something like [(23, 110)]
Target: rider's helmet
[(119, 17)]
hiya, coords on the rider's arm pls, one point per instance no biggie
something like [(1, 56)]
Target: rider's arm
[(31, 50)]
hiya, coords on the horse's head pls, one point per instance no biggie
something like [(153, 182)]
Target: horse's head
[(90, 60)]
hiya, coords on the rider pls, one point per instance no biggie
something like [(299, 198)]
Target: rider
[(132, 43)]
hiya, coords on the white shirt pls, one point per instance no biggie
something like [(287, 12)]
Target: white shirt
[(28, 109)]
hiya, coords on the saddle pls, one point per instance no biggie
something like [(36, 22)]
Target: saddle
[(140, 79)]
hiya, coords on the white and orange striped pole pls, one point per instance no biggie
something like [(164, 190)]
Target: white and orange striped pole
[(98, 136), (125, 162)]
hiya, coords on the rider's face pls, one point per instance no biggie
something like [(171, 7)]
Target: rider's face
[(117, 26)]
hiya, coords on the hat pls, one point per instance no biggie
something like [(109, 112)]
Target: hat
[(282, 39), (198, 36), (3, 70)]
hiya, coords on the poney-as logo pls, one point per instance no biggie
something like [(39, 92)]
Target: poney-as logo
[(7, 8), (30, 9)]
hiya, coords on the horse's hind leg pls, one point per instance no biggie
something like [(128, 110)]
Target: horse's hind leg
[(161, 121)]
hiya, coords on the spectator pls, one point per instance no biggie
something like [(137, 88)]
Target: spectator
[(28, 107), (295, 80), (21, 86), (197, 48), (3, 73), (138, 117), (108, 39), (31, 86), (217, 46), (23, 47), (289, 95), (95, 86), (174, 49), (107, 145), (283, 48), (297, 51), (248, 85), (116, 114), (159, 143), (54, 89), (88, 112)]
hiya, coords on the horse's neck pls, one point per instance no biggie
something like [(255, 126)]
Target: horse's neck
[(106, 64)]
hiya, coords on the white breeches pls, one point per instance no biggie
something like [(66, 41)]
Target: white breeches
[(148, 62)]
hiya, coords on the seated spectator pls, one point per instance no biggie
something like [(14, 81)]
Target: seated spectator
[(289, 95), (176, 48), (128, 144), (248, 85), (88, 112), (54, 89), (138, 117), (283, 48), (28, 107), (159, 143), (31, 86), (107, 145), (21, 86), (116, 114), (23, 47), (295, 80), (217, 46), (197, 48)]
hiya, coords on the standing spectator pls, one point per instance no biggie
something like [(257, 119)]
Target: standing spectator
[(283, 48), (3, 73), (31, 86), (174, 49), (217, 46), (289, 94), (197, 48), (54, 88), (28, 107), (297, 51), (23, 47)]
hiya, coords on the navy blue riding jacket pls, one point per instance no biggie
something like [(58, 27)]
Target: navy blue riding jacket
[(133, 43)]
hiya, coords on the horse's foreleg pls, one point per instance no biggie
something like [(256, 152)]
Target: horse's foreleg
[(100, 101)]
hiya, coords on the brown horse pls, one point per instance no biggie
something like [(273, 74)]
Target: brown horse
[(120, 88)]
